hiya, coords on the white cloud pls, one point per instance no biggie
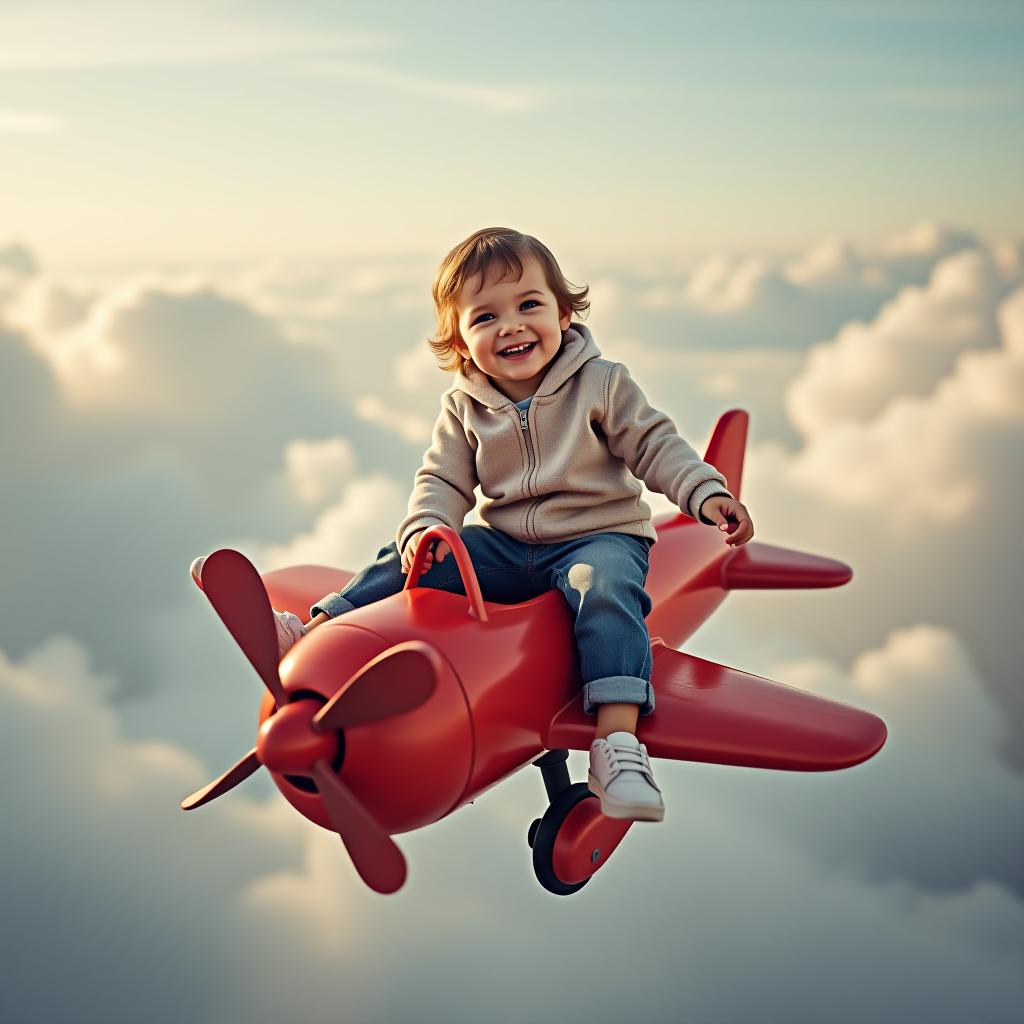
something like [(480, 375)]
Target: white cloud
[(127, 351), (928, 238), (721, 286), (44, 307), (213, 884), (414, 429), (318, 469), (918, 497), (832, 259), (18, 258), (17, 265), (941, 764), (696, 387), (106, 504), (743, 301), (911, 345), (921, 452), (102, 846), (507, 98), (306, 905), (348, 533), (416, 371), (312, 297)]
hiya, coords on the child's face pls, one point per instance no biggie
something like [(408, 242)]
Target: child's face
[(500, 315)]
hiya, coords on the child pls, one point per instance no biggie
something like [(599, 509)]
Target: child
[(553, 433)]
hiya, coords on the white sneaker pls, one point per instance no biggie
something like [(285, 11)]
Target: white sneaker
[(289, 625), (289, 630), (620, 774)]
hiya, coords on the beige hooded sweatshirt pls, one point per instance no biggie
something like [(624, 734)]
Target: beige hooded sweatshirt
[(565, 467)]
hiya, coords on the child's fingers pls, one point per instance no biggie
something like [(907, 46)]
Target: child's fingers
[(438, 549), (744, 531)]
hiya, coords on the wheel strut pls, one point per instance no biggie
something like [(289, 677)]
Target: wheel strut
[(555, 772)]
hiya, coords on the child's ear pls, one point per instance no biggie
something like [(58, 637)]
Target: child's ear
[(564, 322)]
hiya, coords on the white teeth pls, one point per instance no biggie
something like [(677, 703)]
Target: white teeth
[(518, 348)]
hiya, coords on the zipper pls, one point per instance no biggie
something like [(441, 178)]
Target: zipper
[(529, 445)]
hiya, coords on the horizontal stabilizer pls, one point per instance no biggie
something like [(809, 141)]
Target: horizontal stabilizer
[(707, 712), (757, 566)]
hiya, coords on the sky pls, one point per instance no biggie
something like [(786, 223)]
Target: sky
[(224, 130), (219, 226)]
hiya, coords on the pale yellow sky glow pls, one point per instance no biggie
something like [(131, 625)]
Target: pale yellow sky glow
[(134, 132)]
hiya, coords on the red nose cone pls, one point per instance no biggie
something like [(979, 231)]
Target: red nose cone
[(287, 742)]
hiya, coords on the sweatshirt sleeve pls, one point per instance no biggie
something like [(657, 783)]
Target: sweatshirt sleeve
[(443, 486), (647, 441)]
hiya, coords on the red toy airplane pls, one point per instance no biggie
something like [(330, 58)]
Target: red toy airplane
[(390, 717)]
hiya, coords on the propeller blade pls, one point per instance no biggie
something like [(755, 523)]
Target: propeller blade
[(238, 596), (376, 857), (231, 778), (397, 680)]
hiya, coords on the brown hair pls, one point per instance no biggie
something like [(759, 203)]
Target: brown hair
[(475, 255)]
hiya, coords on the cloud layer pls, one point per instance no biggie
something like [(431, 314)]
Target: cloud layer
[(159, 416)]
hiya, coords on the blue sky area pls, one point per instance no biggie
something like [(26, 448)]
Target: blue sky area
[(223, 130)]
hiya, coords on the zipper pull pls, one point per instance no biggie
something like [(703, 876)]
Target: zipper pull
[(522, 418)]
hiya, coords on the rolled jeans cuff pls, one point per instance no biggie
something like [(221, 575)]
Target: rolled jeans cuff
[(334, 604), (618, 690)]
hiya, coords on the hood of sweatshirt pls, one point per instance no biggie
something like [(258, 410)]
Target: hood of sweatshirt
[(578, 346)]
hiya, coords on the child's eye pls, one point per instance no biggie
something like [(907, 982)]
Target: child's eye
[(523, 303)]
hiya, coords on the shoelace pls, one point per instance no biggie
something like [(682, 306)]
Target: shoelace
[(295, 632), (626, 759)]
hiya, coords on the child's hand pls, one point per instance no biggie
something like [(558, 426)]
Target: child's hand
[(730, 516), (438, 547)]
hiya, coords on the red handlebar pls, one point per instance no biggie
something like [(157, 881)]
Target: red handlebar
[(462, 559)]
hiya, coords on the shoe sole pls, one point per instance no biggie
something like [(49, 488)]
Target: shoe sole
[(612, 808)]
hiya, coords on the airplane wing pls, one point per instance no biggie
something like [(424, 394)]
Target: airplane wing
[(296, 588), (707, 712)]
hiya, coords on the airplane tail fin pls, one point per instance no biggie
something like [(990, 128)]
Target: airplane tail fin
[(757, 566), (727, 446)]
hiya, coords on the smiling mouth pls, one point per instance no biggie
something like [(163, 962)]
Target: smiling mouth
[(516, 351)]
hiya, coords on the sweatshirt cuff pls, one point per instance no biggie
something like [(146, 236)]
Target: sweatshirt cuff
[(697, 498)]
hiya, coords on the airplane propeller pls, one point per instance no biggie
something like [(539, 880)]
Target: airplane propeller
[(231, 778), (399, 679), (294, 741), (238, 596)]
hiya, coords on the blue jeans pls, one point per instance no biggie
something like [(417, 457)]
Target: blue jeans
[(602, 576)]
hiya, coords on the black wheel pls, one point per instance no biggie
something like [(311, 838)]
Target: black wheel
[(545, 832), (531, 834)]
